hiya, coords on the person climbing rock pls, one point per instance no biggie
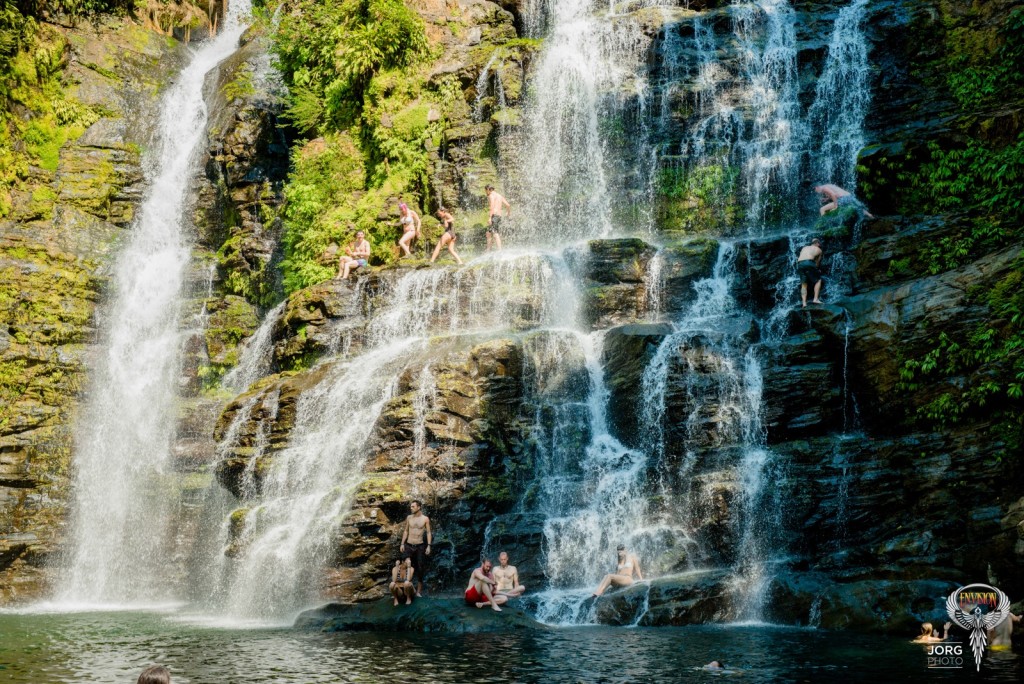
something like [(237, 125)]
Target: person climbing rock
[(448, 237), (356, 254), (495, 202), (807, 266), (507, 577), (410, 222), (401, 580), (480, 591), (417, 527), (626, 569), (834, 197)]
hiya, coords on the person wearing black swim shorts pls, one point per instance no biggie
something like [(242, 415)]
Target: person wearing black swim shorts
[(808, 267), (417, 530), (495, 202)]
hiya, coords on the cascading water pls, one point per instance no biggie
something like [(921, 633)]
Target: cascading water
[(285, 525), (841, 100), (583, 86), (256, 359), (121, 507)]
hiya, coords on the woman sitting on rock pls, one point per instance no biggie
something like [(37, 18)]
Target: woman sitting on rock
[(401, 581), (628, 567)]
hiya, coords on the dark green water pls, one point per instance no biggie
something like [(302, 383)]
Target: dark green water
[(115, 647)]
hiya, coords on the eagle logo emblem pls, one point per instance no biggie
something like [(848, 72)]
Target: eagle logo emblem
[(977, 608)]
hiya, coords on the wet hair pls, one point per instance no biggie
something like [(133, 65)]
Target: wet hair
[(815, 241), (926, 629), (620, 547), (157, 674), (485, 560), (488, 188)]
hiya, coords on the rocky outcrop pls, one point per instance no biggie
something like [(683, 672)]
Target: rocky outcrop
[(433, 615)]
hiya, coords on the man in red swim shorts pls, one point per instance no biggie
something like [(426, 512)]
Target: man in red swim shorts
[(479, 593)]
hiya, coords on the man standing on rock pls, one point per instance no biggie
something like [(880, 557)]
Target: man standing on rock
[(495, 202), (507, 577), (810, 276), (480, 591), (417, 526)]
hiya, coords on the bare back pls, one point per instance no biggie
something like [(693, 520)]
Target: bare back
[(496, 201), (810, 253)]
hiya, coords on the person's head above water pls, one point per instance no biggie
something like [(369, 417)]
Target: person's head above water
[(715, 665), (926, 629), (157, 674)]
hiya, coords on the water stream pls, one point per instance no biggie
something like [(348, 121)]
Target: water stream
[(122, 494)]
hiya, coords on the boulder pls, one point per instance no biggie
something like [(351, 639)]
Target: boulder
[(433, 615)]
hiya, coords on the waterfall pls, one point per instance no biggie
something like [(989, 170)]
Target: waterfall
[(257, 357), (841, 100), (583, 86), (766, 36), (285, 528), (122, 495)]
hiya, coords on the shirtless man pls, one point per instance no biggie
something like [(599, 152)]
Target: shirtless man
[(495, 202), (837, 197), (999, 637), (416, 526), (355, 256), (480, 591), (401, 580), (507, 577), (626, 569), (807, 265)]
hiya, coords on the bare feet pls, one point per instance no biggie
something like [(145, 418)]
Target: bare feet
[(408, 601), (396, 602), (480, 605), (419, 595), (496, 608), (816, 301)]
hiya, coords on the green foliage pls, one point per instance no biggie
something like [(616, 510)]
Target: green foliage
[(355, 78), (698, 198), (239, 87), (989, 360), (331, 51)]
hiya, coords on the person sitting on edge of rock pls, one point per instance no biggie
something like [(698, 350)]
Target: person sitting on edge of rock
[(480, 591), (355, 256), (401, 580), (417, 526), (834, 197), (410, 221), (1000, 637), (929, 635), (627, 568), (156, 674), (507, 577), (448, 237), (808, 267)]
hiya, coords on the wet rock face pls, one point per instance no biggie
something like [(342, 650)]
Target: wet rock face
[(56, 248)]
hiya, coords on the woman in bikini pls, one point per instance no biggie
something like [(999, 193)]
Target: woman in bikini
[(410, 221), (401, 581), (627, 568), (448, 237)]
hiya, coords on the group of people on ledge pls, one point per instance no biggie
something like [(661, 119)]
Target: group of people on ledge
[(357, 253), (999, 637), (488, 585)]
